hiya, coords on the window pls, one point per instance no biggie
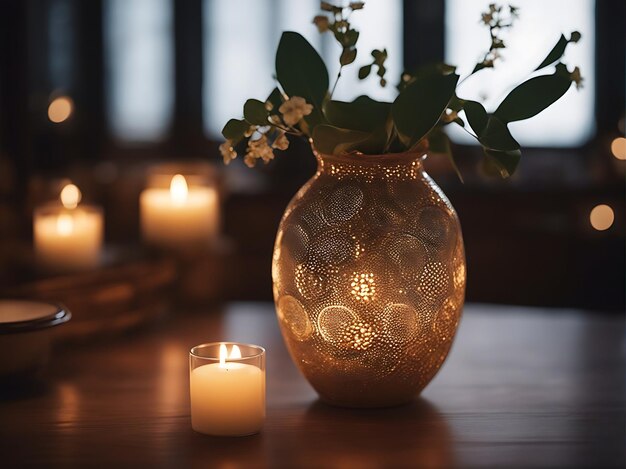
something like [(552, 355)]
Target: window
[(139, 55), (569, 122), (380, 26), (237, 56), (61, 40), (240, 39)]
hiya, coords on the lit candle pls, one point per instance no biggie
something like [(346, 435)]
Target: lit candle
[(181, 216), (68, 237), (227, 392)]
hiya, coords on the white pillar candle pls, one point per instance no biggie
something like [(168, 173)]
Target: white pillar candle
[(179, 217), (227, 398), (68, 237)]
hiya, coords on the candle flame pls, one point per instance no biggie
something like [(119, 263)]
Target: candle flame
[(70, 196), (65, 224), (178, 189), (223, 354), (235, 352)]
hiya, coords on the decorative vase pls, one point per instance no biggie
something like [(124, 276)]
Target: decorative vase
[(369, 278)]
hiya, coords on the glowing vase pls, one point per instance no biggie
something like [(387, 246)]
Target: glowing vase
[(369, 278)]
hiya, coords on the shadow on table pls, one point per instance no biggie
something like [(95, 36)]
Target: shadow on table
[(15, 388), (413, 435)]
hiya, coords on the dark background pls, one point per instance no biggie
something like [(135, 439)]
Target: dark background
[(528, 240)]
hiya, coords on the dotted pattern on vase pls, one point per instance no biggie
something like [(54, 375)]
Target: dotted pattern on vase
[(369, 281)]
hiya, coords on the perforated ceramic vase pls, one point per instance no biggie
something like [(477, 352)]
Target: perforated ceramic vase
[(369, 278)]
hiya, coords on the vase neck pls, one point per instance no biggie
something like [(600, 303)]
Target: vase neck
[(392, 166)]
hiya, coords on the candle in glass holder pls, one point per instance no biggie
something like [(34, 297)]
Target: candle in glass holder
[(179, 217), (68, 237), (227, 389)]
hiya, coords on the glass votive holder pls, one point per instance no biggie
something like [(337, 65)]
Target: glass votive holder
[(68, 240), (227, 384), (180, 195)]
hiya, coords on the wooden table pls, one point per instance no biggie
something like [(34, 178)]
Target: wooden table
[(522, 387)]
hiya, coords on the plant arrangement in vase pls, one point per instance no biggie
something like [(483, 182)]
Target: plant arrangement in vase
[(369, 266), (302, 103)]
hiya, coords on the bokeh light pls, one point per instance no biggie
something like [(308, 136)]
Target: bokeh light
[(60, 109), (602, 217), (618, 148)]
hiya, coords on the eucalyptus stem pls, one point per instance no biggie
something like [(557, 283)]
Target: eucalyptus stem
[(289, 130), (463, 80), (336, 81)]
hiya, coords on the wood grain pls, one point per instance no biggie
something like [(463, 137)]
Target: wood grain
[(523, 387)]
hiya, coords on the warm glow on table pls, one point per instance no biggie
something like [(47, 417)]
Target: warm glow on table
[(180, 216), (68, 237), (228, 397)]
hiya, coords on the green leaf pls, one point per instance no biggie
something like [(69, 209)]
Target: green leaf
[(364, 72), (329, 139), (339, 35), (373, 144), (476, 116), (419, 106), (439, 142), (234, 130), (559, 49), (555, 54), (347, 56), (379, 56), (532, 97), (496, 136), (362, 114), (332, 140), (254, 112), (505, 162), (436, 68), (300, 70), (456, 104), (351, 38), (276, 99)]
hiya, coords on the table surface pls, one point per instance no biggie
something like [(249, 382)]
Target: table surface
[(522, 387)]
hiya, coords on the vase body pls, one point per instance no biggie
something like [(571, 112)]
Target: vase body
[(369, 278)]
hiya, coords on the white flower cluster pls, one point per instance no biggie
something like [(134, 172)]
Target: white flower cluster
[(258, 149), (227, 151), (292, 111)]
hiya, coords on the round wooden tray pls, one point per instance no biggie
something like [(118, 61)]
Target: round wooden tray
[(131, 289)]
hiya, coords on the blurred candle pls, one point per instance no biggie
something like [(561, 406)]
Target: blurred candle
[(68, 237), (228, 397), (179, 217)]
